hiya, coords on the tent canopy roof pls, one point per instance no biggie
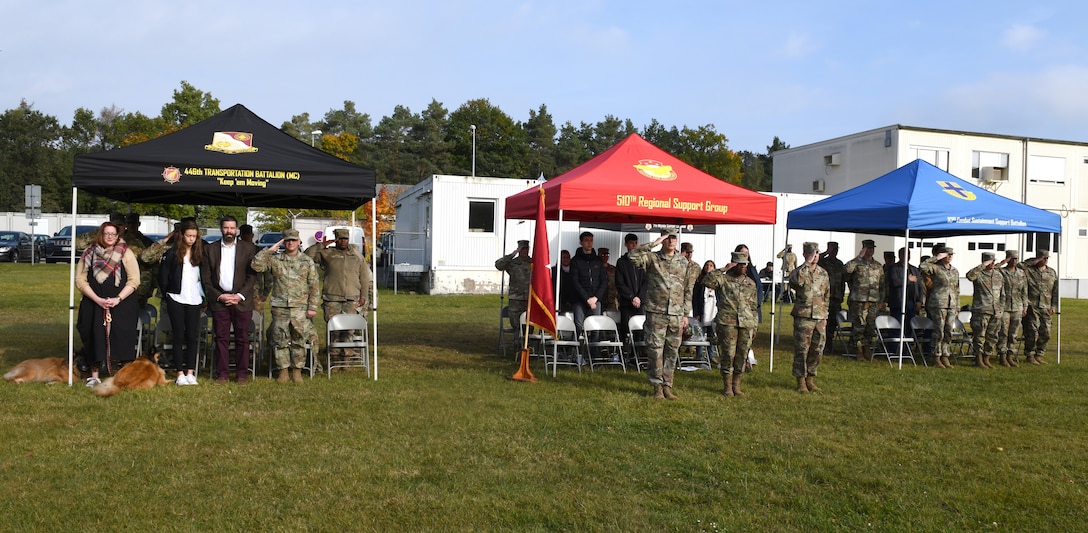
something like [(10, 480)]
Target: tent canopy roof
[(637, 182), (926, 200), (232, 158)]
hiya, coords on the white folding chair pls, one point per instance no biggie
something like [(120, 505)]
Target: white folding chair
[(922, 329), (636, 339), (357, 344), (842, 333), (607, 349), (564, 346), (698, 343), (889, 340)]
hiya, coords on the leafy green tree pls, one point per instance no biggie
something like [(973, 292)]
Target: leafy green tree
[(299, 127), (540, 134), (753, 175), (429, 138), (347, 120), (30, 155), (667, 139), (607, 133), (396, 162), (501, 147), (708, 150), (190, 105), (571, 149)]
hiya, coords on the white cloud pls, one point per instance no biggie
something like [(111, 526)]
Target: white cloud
[(1022, 37)]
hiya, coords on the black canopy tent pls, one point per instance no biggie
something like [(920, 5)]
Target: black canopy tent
[(232, 158)]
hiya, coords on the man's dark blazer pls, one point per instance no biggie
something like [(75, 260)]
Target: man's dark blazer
[(244, 275)]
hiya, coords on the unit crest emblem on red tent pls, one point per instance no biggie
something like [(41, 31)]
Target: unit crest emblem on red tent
[(231, 142), (171, 174), (655, 170)]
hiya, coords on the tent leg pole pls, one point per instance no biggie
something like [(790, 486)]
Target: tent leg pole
[(72, 292)]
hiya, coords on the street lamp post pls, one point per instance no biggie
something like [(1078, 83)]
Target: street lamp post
[(313, 135), (473, 128)]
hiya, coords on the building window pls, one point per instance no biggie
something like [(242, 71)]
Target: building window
[(997, 162), (481, 216), (1082, 232), (937, 157), (1045, 170), (1042, 241)]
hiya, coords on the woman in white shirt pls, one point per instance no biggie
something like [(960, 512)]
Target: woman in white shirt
[(179, 281)]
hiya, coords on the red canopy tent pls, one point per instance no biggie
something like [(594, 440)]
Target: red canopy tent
[(635, 181)]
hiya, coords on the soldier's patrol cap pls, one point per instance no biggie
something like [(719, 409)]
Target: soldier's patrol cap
[(603, 251), (523, 244), (947, 250), (117, 217), (811, 247), (987, 256), (630, 237), (671, 231), (868, 243), (291, 235), (832, 244), (1012, 254), (1042, 253), (341, 233), (740, 258)]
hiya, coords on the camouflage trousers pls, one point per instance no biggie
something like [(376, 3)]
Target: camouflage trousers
[(862, 323), (332, 308), (733, 345), (1007, 333), (288, 335), (808, 338), (944, 321), (985, 331), (1036, 331), (663, 336), (515, 308)]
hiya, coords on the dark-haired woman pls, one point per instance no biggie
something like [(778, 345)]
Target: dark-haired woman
[(179, 280)]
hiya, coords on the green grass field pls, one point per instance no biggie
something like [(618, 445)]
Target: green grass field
[(444, 442)]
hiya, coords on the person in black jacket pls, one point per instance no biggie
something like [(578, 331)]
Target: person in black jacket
[(561, 278), (630, 284), (179, 281), (588, 281)]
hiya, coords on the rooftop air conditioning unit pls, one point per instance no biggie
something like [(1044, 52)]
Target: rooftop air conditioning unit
[(833, 160), (992, 174), (818, 186)]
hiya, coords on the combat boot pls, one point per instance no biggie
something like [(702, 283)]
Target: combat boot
[(727, 382), (978, 361), (736, 384), (986, 361), (944, 362), (1005, 360), (281, 376), (801, 386), (1012, 360), (859, 354), (667, 391), (811, 385), (1039, 359), (1031, 359), (296, 375), (659, 394)]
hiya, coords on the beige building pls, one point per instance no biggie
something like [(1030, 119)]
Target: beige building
[(1044, 173)]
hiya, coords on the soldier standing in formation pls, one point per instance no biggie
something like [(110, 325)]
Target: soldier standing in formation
[(987, 308), (1042, 304), (294, 297), (736, 318), (813, 288), (1014, 291), (789, 264), (670, 278), (865, 276), (518, 265), (942, 301), (346, 285), (836, 273)]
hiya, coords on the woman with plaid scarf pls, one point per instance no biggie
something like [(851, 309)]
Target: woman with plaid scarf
[(107, 276)]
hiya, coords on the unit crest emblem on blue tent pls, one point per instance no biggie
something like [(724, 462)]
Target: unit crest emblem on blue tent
[(955, 190)]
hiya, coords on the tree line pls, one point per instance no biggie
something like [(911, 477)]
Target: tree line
[(403, 147)]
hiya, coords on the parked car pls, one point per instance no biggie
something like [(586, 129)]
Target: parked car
[(212, 234), (268, 239), (39, 242), (15, 246), (59, 248)]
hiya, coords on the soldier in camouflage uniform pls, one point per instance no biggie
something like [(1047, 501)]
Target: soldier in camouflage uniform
[(346, 285), (611, 295), (519, 266), (942, 301), (987, 309), (865, 276), (789, 264), (294, 297), (836, 273), (670, 278), (1042, 304), (1014, 291), (813, 288), (736, 318)]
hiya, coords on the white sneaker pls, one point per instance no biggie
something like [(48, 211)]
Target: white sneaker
[(190, 379), (92, 381), (182, 380)]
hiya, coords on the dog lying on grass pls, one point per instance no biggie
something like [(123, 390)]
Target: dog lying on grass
[(46, 370), (143, 373)]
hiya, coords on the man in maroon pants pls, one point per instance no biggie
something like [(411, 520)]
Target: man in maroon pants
[(228, 288)]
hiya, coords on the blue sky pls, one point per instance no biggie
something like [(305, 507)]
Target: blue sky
[(804, 71)]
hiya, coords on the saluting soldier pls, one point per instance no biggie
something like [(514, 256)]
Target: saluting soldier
[(1014, 291), (813, 288), (1042, 304), (836, 273), (346, 285), (865, 276), (294, 296), (670, 278), (942, 301), (736, 318), (987, 308), (518, 265)]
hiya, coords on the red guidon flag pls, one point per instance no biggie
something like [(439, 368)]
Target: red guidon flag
[(541, 311)]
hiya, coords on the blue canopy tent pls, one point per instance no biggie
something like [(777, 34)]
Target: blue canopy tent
[(920, 200)]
